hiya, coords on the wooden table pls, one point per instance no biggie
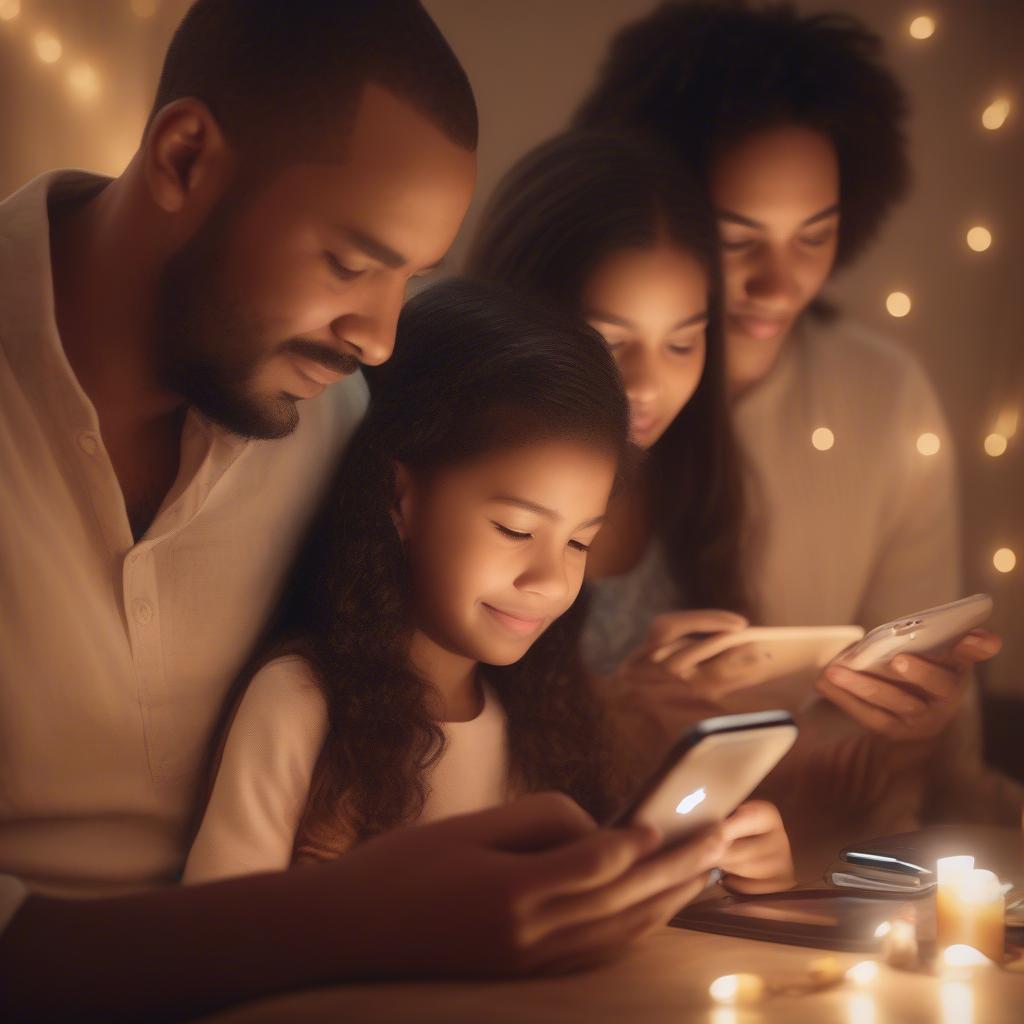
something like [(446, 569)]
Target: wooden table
[(664, 980)]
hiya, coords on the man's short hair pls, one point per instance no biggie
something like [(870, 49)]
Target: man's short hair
[(283, 75)]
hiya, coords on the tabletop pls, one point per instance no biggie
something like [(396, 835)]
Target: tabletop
[(665, 978)]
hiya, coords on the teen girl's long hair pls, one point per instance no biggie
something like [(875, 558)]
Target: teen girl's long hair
[(476, 370), (554, 217)]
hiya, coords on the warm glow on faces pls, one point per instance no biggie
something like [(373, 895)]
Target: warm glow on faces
[(651, 307), (310, 272), (776, 194), (497, 546)]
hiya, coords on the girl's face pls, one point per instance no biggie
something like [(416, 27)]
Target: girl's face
[(651, 306), (776, 195), (497, 546)]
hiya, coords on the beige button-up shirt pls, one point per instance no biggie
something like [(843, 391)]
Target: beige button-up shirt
[(115, 656)]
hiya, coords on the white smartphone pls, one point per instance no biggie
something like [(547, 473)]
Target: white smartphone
[(712, 769), (932, 631), (762, 654)]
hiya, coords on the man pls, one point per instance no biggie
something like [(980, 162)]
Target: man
[(159, 331)]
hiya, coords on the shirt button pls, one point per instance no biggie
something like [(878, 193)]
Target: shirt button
[(89, 443), (143, 612)]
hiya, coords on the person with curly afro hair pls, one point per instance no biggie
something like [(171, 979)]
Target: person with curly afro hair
[(798, 130)]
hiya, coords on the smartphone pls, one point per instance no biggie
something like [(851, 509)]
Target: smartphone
[(709, 772), (932, 631), (762, 654)]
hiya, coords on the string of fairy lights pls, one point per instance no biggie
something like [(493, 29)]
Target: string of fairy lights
[(84, 86), (992, 116)]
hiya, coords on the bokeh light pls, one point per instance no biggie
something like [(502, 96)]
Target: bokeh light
[(1004, 560), (9, 9), (995, 114), (929, 444), (922, 27), (979, 238), (898, 304), (995, 445), (48, 47), (863, 973), (823, 439), (84, 82)]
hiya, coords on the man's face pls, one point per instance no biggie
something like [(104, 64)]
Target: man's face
[(291, 286)]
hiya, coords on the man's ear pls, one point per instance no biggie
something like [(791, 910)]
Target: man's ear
[(401, 507), (188, 161)]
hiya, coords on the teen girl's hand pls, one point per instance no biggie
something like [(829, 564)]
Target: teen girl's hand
[(665, 678), (914, 698), (758, 859)]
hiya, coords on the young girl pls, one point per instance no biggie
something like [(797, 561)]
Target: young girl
[(612, 230), (430, 667)]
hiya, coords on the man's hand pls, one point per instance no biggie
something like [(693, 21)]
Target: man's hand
[(914, 698), (532, 886), (758, 859)]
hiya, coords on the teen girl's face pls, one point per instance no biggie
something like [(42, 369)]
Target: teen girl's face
[(497, 546), (776, 194), (651, 306)]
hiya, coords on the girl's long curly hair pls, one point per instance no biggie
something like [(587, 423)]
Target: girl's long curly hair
[(555, 216), (476, 370)]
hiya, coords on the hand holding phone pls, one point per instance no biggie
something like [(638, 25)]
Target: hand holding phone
[(906, 679)]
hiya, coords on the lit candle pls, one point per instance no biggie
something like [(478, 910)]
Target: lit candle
[(969, 907), (737, 989)]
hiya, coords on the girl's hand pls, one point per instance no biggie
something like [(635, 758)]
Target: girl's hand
[(913, 698), (675, 641), (758, 859)]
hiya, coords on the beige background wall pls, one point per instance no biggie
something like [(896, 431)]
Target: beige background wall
[(531, 60)]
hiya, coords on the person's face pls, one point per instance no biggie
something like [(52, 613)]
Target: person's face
[(289, 288), (651, 306), (497, 546), (776, 194)]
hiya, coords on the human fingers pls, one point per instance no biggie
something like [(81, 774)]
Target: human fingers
[(597, 941), (682, 661), (670, 627), (878, 692), (587, 864), (753, 886), (869, 715), (538, 821), (977, 646), (934, 680), (756, 856), (754, 817), (678, 865)]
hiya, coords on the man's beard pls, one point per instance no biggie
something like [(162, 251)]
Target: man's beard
[(207, 350)]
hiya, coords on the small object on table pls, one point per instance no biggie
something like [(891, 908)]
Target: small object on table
[(825, 972), (737, 989), (899, 941)]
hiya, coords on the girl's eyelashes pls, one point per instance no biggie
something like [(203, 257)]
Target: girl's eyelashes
[(511, 534), (518, 535), (736, 246), (338, 268), (817, 240), (680, 348)]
